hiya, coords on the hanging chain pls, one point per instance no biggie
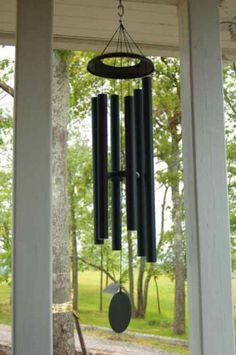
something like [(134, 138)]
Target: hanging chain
[(121, 10)]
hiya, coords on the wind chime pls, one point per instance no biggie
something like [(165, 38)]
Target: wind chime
[(139, 167)]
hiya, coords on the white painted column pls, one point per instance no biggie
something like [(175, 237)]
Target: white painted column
[(206, 200), (32, 284)]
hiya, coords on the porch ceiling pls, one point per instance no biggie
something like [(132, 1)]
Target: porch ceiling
[(88, 24)]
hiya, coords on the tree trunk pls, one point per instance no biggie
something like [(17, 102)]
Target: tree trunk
[(63, 328), (107, 269), (146, 288), (140, 301), (131, 272), (74, 251), (101, 282), (75, 266), (177, 218), (158, 296)]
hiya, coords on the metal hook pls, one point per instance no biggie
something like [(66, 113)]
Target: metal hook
[(121, 9)]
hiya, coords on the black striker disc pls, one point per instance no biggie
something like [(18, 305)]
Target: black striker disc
[(120, 312)]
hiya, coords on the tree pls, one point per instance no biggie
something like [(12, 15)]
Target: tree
[(230, 123), (80, 202), (63, 327), (5, 226), (6, 128), (167, 143)]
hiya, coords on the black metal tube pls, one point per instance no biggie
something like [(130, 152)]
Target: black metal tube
[(95, 172), (140, 159), (131, 178), (115, 166), (102, 167), (149, 169)]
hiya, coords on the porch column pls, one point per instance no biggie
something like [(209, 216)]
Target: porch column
[(32, 322), (206, 200)]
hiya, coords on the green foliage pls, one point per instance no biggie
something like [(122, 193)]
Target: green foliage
[(81, 197), (80, 191), (167, 115), (230, 123), (5, 226), (168, 152), (166, 257), (6, 132), (82, 85), (6, 69), (65, 55)]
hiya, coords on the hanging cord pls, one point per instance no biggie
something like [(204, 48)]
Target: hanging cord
[(121, 14), (101, 256), (126, 40), (117, 48), (133, 42), (129, 88), (114, 86), (108, 44), (139, 83), (122, 164), (121, 270), (123, 167)]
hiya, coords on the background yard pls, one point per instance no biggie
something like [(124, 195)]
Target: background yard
[(89, 305)]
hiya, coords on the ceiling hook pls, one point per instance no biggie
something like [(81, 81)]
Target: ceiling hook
[(121, 9)]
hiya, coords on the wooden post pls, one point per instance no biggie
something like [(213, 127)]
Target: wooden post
[(206, 201), (32, 283)]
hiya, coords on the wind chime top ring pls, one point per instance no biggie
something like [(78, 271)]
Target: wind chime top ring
[(143, 68)]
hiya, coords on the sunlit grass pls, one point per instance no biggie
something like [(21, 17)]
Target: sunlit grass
[(153, 323), (5, 316), (89, 305)]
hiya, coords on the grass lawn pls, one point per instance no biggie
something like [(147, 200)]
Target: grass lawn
[(5, 317), (89, 305), (154, 324)]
